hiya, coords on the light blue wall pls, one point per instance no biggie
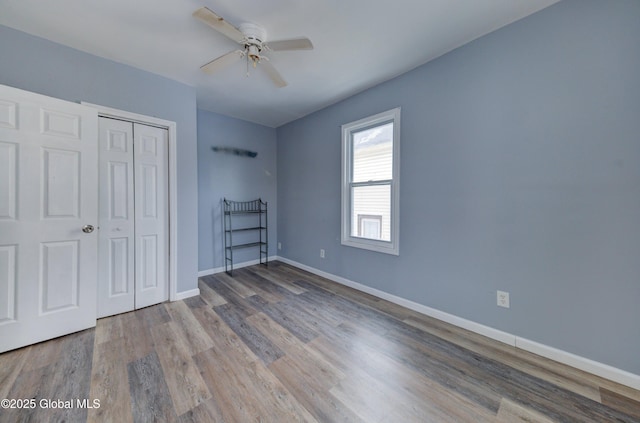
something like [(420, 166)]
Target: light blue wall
[(520, 171), (40, 66), (234, 177)]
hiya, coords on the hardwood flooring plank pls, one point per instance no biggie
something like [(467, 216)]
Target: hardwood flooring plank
[(108, 328), (359, 297), (241, 384), (429, 363), (294, 324), (150, 398), (263, 287), (228, 385), (195, 302), (196, 337), (531, 364), (76, 359), (209, 295), (421, 398), (253, 338), (186, 387), (235, 284), (620, 402), (110, 383), (44, 353), (492, 376), (511, 412), (277, 403), (11, 364), (311, 392), (234, 301), (223, 337), (347, 309), (137, 337), (296, 350), (208, 411), (619, 389), (74, 363), (283, 280), (153, 315), (27, 385), (370, 399)]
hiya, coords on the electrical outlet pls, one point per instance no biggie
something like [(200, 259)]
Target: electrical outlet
[(321, 253), (279, 245), (503, 299)]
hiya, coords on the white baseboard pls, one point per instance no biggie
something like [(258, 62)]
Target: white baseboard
[(186, 294), (590, 366), (235, 266), (599, 369)]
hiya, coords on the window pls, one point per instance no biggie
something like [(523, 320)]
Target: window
[(371, 182)]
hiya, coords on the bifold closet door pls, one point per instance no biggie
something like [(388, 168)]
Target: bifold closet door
[(133, 243)]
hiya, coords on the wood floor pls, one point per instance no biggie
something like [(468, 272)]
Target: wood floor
[(278, 344)]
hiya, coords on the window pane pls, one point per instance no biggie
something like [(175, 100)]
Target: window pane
[(373, 153), (371, 212)]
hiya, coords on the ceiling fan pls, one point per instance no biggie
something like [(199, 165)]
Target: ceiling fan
[(253, 39)]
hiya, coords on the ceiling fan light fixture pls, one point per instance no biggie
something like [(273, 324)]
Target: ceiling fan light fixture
[(253, 52), (253, 38)]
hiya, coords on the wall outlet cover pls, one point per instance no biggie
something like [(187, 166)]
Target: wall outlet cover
[(503, 299)]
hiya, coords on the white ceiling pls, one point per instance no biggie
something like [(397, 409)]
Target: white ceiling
[(358, 43)]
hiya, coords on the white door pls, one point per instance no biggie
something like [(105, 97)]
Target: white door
[(48, 180), (151, 163), (133, 216), (116, 241)]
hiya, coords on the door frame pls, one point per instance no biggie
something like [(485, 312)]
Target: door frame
[(170, 126)]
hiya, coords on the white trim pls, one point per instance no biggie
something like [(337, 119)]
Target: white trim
[(215, 270), (173, 185), (590, 366), (392, 247), (187, 294), (594, 367)]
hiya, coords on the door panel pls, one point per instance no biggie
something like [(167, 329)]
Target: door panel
[(116, 265), (59, 276), (48, 157), (7, 181), (119, 278), (118, 195), (151, 217), (61, 172), (7, 282)]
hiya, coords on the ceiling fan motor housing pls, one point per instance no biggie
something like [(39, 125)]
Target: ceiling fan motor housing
[(255, 34), (255, 37)]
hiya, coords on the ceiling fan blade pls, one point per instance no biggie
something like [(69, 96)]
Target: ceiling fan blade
[(222, 61), (216, 22), (292, 44), (273, 74)]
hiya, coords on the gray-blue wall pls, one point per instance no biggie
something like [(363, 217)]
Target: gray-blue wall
[(520, 171), (40, 66), (234, 177)]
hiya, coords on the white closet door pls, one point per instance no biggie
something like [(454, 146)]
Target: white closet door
[(151, 214), (48, 180), (116, 281), (133, 216)]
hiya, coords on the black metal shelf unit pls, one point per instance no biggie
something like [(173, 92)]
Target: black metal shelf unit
[(254, 220)]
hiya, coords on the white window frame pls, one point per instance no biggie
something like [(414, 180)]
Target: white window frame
[(388, 247)]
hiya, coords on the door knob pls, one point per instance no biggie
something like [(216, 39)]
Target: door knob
[(87, 229)]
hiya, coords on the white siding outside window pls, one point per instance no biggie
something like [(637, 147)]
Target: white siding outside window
[(371, 183)]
